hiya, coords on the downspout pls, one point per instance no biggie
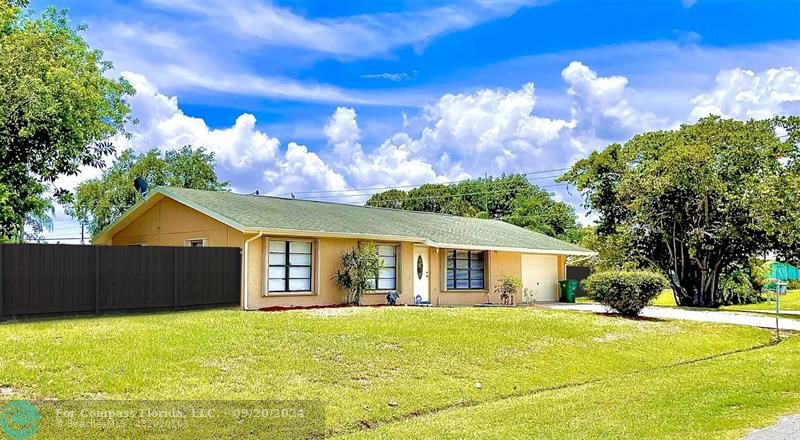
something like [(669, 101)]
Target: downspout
[(246, 268)]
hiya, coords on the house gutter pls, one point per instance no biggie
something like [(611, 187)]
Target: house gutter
[(246, 269)]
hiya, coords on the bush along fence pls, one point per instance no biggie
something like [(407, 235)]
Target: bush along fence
[(45, 279)]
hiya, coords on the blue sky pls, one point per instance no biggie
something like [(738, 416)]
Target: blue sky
[(334, 96)]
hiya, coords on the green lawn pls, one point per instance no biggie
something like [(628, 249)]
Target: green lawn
[(790, 301), (714, 399), (426, 361)]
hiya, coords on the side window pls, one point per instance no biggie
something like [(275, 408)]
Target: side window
[(197, 242)]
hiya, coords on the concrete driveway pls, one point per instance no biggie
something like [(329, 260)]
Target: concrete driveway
[(787, 428), (691, 315)]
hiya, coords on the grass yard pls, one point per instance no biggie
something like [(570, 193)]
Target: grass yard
[(713, 399), (790, 301), (543, 372)]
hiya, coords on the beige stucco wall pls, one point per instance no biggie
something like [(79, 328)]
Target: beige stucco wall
[(326, 259), (499, 264), (169, 223)]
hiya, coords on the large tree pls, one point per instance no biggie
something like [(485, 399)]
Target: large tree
[(58, 109), (510, 198), (100, 201), (698, 201)]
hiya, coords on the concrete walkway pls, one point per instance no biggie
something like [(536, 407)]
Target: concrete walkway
[(691, 315), (783, 312), (787, 428)]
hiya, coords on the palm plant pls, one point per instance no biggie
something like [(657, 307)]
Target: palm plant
[(358, 269)]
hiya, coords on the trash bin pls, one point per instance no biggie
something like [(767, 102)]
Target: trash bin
[(568, 290)]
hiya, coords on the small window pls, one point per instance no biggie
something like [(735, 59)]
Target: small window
[(289, 266), (197, 242), (465, 270), (387, 278)]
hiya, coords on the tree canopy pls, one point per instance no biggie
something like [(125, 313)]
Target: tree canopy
[(512, 198), (58, 110), (699, 201), (99, 202)]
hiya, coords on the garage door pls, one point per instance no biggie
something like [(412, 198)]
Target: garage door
[(540, 274)]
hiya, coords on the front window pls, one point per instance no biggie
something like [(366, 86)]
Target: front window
[(387, 278), (289, 266), (465, 270)]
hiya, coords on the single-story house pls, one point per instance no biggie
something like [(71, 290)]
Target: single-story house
[(291, 248)]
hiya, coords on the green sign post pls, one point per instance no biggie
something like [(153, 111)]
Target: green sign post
[(780, 288)]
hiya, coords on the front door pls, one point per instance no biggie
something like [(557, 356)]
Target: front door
[(421, 274)]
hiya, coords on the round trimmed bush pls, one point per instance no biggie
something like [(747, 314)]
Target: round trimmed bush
[(626, 292)]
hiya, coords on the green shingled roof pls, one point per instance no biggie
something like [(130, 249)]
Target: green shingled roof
[(253, 213)]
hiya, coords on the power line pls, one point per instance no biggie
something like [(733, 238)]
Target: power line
[(448, 196), (334, 196), (412, 186), (61, 238)]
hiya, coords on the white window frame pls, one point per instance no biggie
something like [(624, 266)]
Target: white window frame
[(397, 265), (313, 268), (188, 242)]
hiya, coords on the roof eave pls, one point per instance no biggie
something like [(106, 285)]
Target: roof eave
[(583, 253), (420, 240), (306, 233)]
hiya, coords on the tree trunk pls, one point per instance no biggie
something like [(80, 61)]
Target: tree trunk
[(698, 288)]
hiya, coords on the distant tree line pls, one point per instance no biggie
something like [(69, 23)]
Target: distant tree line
[(513, 199)]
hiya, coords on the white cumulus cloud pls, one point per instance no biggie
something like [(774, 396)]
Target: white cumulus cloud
[(744, 94), (301, 170), (393, 163), (162, 124), (343, 133), (600, 103)]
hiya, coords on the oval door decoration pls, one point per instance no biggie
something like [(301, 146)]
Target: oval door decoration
[(419, 266)]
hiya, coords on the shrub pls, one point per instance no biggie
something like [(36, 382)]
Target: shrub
[(357, 270), (760, 272), (794, 285), (739, 287), (626, 292), (507, 288), (529, 296)]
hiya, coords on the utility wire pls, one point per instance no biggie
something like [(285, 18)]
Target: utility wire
[(334, 196), (439, 197), (420, 184)]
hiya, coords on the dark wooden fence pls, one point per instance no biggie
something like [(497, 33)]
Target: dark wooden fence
[(46, 279), (580, 274)]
